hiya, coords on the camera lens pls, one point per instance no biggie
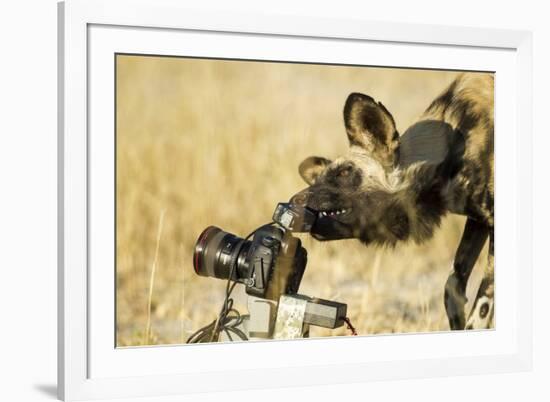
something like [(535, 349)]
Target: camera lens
[(217, 251)]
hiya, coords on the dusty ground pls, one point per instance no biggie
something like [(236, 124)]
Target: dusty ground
[(218, 142)]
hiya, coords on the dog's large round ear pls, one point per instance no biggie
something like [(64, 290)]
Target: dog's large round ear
[(312, 167), (371, 127)]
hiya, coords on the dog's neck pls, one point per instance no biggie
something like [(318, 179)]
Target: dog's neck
[(413, 210)]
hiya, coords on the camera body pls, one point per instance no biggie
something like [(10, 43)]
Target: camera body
[(270, 264), (271, 255)]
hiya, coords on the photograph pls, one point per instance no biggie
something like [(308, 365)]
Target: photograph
[(259, 200)]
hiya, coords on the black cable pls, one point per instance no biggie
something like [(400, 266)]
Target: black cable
[(226, 321)]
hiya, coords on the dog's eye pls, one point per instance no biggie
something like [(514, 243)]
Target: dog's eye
[(344, 172)]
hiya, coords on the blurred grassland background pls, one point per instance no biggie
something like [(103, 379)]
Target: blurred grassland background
[(214, 142)]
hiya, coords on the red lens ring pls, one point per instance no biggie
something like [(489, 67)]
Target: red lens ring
[(199, 248)]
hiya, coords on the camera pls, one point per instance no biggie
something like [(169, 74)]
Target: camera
[(270, 264)]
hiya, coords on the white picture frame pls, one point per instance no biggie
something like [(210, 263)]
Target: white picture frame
[(89, 365)]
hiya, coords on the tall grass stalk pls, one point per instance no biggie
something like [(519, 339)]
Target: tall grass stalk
[(147, 340)]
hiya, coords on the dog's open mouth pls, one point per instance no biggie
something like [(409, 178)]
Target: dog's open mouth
[(332, 224)]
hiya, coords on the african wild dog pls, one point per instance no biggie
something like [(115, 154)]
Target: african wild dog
[(390, 188)]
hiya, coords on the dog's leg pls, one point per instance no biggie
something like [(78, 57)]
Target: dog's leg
[(482, 313), (472, 241)]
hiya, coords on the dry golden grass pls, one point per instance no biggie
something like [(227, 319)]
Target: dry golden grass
[(218, 142)]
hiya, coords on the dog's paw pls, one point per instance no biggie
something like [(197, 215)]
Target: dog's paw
[(481, 316)]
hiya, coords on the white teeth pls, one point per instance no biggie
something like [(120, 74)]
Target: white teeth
[(333, 213)]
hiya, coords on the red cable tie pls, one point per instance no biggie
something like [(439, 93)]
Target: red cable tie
[(350, 326)]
